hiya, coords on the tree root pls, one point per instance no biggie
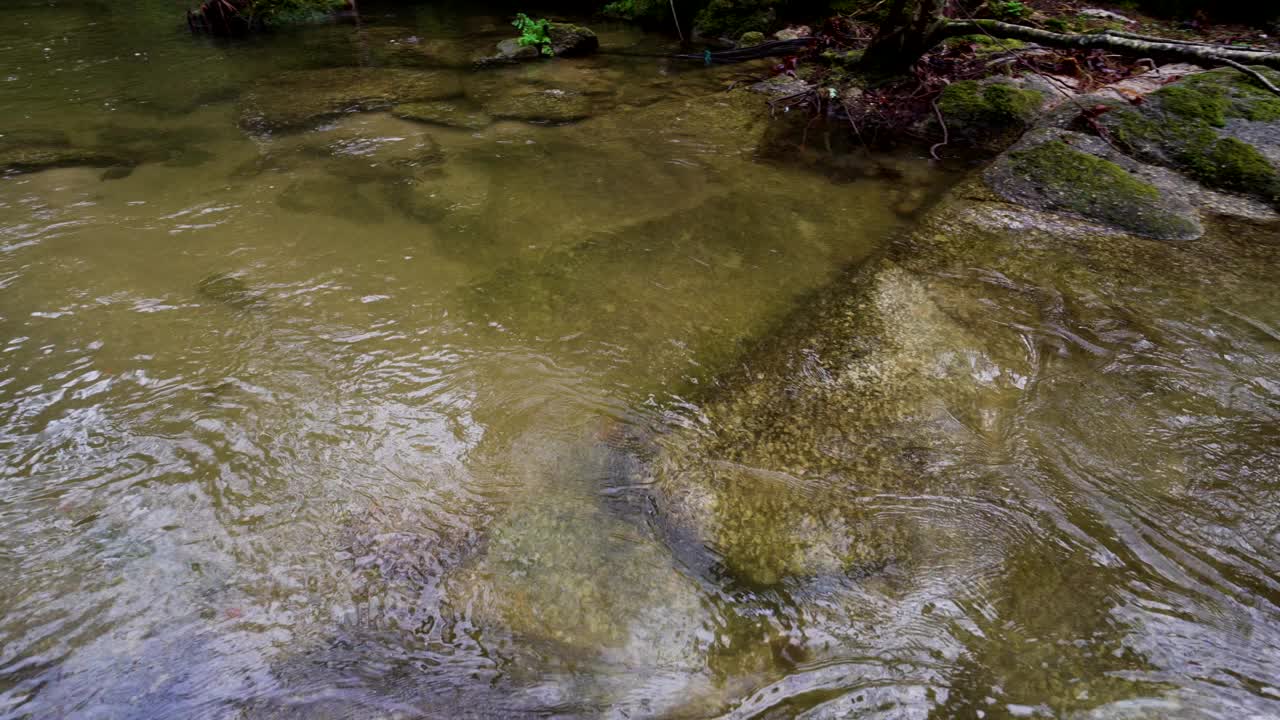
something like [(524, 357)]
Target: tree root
[(1203, 53)]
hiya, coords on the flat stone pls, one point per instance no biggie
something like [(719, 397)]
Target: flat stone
[(302, 98), (449, 113), (541, 106)]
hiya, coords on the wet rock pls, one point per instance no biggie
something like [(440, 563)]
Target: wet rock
[(868, 399), (299, 99), (458, 113), (402, 49), (511, 50), (23, 158), (781, 86), (542, 106), (564, 571), (230, 290), (572, 40), (1217, 127), (333, 197), (1079, 174), (794, 32)]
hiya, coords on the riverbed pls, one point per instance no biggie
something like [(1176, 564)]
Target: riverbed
[(357, 413)]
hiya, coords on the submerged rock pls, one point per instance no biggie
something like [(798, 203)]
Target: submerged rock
[(25, 151), (552, 105), (229, 290), (458, 113), (297, 99)]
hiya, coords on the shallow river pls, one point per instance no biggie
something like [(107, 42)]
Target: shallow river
[(355, 418)]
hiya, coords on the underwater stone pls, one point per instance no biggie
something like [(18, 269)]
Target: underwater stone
[(228, 289), (449, 113), (550, 106), (34, 158), (297, 99)]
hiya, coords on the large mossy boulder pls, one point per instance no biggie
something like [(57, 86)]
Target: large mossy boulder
[(1079, 174), (303, 98), (1217, 127)]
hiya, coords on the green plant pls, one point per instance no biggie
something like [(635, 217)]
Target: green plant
[(533, 32), (1011, 9)]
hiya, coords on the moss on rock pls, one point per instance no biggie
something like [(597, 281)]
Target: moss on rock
[(1204, 126), (988, 113), (1054, 176), (569, 40)]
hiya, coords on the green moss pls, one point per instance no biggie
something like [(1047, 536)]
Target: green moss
[(751, 39), (1195, 104), (1233, 165), (994, 105), (1214, 97), (1181, 131), (1077, 182), (984, 45)]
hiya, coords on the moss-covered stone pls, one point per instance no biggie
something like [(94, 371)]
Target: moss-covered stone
[(569, 40), (1054, 176), (990, 113), (751, 39), (1218, 127), (1233, 165)]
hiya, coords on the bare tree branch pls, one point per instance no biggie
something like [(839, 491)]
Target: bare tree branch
[(1208, 54)]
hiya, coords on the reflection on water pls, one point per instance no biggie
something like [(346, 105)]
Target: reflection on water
[(425, 412)]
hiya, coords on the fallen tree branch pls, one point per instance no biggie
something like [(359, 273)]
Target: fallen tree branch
[(1155, 38), (1208, 54), (1257, 76)]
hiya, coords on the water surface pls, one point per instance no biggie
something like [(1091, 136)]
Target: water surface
[(354, 419)]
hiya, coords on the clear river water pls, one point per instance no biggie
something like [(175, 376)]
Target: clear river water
[(355, 418)]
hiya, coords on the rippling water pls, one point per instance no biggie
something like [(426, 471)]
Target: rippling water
[(357, 421)]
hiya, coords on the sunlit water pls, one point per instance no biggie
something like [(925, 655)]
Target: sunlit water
[(353, 421)]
